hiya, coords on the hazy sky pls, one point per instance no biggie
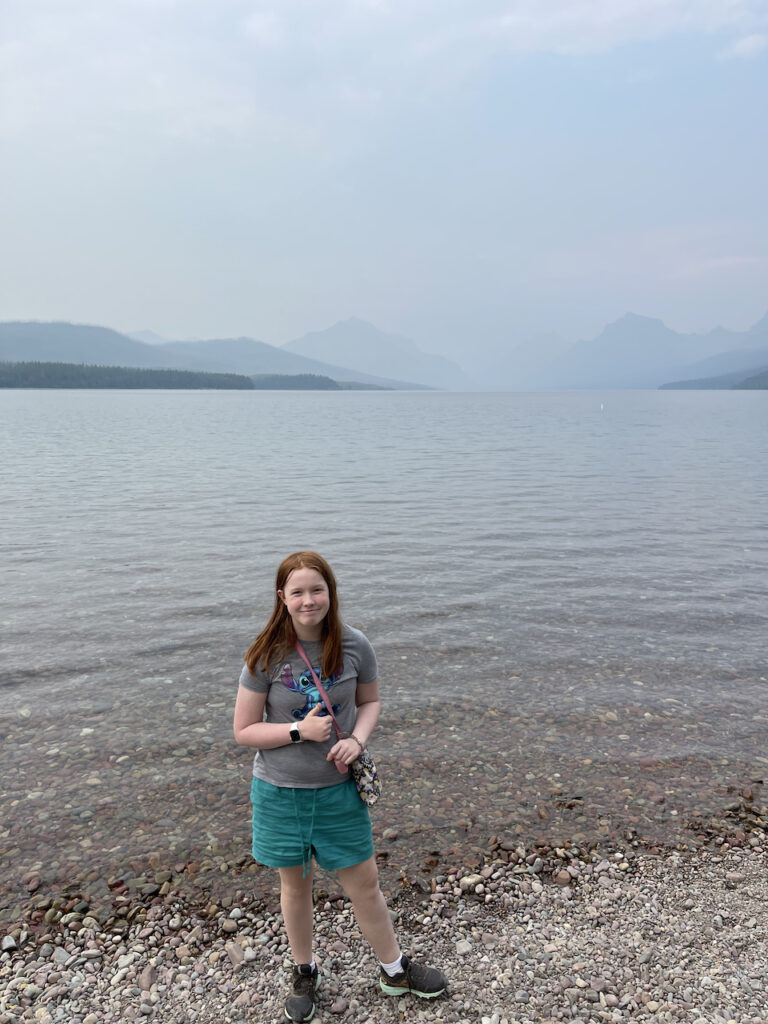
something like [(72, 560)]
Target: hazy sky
[(465, 173)]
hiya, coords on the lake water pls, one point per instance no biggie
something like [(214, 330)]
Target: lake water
[(566, 592)]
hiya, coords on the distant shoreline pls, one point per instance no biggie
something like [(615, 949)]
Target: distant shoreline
[(742, 381), (82, 376)]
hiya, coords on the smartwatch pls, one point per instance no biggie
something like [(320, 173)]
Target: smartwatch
[(295, 734)]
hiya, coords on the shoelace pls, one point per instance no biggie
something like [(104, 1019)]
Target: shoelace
[(304, 984), (408, 975)]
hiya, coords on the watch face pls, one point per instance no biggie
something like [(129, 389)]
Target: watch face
[(295, 734)]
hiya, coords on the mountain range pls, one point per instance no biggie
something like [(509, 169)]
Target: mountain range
[(637, 352), (632, 352), (77, 343)]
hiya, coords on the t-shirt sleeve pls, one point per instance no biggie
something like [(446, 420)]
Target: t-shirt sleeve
[(257, 681), (367, 671)]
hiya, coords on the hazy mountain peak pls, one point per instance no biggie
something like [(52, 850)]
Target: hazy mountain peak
[(362, 346), (634, 322), (360, 332), (148, 337)]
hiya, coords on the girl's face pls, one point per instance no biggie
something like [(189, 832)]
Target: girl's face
[(306, 597)]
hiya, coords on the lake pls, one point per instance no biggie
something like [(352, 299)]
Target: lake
[(566, 593)]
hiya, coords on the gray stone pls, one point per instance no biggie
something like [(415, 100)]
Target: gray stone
[(147, 978), (235, 953)]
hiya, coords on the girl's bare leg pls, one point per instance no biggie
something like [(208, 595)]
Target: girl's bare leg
[(296, 904), (361, 884)]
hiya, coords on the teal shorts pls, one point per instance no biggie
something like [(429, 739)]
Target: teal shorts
[(291, 826)]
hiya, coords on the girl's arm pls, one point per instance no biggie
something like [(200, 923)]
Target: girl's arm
[(368, 708), (251, 731)]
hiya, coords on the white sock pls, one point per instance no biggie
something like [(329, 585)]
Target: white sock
[(395, 967)]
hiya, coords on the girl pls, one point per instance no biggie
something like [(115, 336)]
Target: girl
[(305, 804)]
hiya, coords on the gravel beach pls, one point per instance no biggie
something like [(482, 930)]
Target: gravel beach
[(525, 936)]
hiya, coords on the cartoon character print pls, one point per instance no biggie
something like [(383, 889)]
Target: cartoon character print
[(306, 687)]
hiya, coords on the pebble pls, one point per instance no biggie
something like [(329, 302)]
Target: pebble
[(672, 939), (235, 952)]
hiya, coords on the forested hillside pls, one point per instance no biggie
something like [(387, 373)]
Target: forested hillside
[(78, 375)]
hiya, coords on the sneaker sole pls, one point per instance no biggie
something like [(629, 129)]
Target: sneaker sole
[(304, 1020), (396, 990)]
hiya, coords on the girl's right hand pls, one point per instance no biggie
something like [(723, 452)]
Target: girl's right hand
[(315, 728)]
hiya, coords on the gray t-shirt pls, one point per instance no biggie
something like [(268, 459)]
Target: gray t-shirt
[(291, 695)]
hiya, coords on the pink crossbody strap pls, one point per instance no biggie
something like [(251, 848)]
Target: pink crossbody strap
[(320, 688)]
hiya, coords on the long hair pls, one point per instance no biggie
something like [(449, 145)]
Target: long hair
[(279, 637)]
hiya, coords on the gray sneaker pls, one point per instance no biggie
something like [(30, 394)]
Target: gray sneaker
[(300, 1002), (426, 982)]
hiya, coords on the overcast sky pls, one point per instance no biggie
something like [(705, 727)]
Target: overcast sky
[(465, 173)]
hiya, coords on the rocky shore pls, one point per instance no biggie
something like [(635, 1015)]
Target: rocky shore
[(526, 935)]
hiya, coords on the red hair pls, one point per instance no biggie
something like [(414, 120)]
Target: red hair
[(278, 636)]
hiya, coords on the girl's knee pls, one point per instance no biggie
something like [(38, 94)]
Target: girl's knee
[(361, 885), (358, 873), (293, 881)]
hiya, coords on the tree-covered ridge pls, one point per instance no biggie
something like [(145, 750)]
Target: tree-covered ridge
[(757, 383), (728, 381), (81, 375), (294, 382)]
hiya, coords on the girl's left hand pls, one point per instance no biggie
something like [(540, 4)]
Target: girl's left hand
[(345, 750)]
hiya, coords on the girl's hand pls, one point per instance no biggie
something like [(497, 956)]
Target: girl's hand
[(315, 728), (345, 750)]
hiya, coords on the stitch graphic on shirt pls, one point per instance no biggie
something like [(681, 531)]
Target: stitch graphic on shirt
[(306, 687)]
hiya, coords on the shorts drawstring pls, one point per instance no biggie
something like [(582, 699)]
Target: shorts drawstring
[(306, 846)]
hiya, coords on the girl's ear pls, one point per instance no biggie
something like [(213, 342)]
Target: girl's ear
[(281, 595)]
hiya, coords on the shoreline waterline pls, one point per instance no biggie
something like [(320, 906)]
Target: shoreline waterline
[(190, 828)]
